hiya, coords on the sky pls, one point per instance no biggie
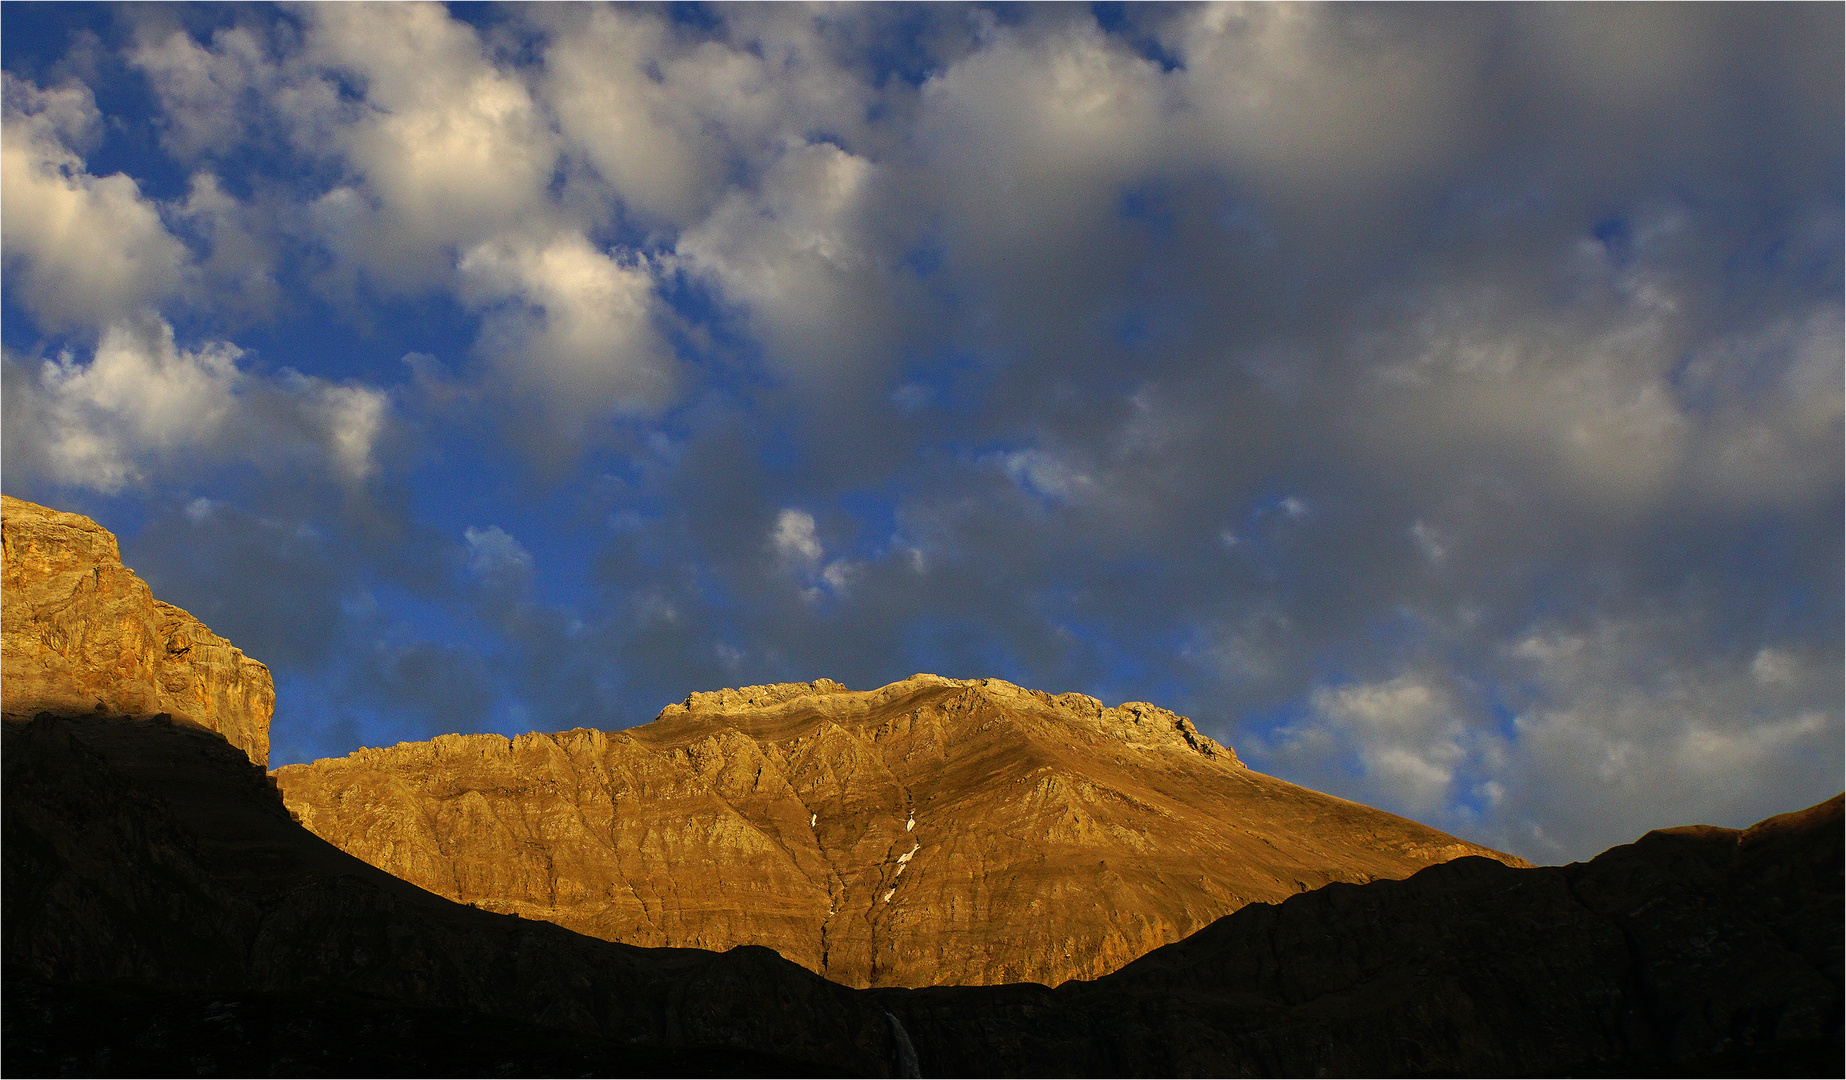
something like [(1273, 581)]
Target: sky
[(1440, 405)]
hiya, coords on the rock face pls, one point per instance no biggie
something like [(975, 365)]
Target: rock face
[(163, 915), (80, 633), (936, 831)]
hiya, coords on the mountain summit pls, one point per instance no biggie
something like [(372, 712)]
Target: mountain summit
[(934, 831)]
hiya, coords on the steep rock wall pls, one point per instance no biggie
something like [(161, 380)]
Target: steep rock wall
[(80, 633)]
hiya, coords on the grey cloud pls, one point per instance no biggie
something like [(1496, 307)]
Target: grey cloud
[(571, 325), (272, 587), (214, 95), (1721, 734), (427, 688)]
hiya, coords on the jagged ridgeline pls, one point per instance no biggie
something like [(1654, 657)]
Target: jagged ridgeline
[(936, 831)]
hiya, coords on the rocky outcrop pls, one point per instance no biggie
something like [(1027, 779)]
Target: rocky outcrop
[(163, 915), (80, 633), (935, 831)]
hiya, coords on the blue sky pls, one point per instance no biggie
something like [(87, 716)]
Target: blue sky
[(1442, 406)]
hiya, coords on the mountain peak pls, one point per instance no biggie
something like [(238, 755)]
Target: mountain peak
[(931, 831), (1138, 723)]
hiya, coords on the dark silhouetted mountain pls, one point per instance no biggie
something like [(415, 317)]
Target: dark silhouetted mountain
[(162, 908)]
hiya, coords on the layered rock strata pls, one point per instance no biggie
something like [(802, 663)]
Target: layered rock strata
[(931, 832), (80, 633)]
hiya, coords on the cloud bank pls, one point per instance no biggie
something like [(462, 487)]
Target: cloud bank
[(1444, 408)]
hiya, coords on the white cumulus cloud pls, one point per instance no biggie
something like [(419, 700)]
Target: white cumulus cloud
[(571, 322), (141, 404), (81, 250), (794, 539)]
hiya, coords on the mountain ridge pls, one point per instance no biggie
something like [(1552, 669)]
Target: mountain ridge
[(930, 831)]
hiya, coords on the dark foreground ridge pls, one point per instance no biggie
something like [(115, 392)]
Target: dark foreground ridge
[(163, 915)]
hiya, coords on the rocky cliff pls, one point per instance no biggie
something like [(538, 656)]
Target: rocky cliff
[(934, 831), (80, 633)]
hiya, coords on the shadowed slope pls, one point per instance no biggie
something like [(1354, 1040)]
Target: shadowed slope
[(1694, 951), (155, 860), (935, 831)]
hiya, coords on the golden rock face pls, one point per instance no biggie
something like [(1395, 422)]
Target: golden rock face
[(80, 633), (935, 831)]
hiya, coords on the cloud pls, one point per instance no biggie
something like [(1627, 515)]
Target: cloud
[(1622, 721), (1599, 724), (139, 396), (350, 420), (615, 102), (668, 119), (1317, 101), (802, 259), (1404, 734), (1629, 60), (141, 406), (570, 323), (1772, 410), (1025, 146), (1250, 650), (85, 250), (500, 563), (425, 688), (238, 251), (1619, 399), (272, 586), (794, 540), (1429, 541), (211, 96), (1047, 475), (799, 551), (446, 151)]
